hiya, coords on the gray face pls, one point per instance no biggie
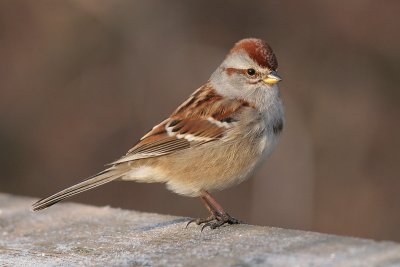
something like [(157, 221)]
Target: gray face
[(233, 79)]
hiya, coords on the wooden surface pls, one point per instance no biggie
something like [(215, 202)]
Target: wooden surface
[(80, 235)]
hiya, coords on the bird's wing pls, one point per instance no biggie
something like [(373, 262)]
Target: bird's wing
[(204, 117)]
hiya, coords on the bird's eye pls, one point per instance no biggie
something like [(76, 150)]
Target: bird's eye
[(251, 72)]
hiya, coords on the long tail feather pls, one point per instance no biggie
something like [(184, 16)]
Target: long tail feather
[(101, 178)]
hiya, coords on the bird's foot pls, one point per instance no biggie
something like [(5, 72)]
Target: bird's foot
[(219, 221), (200, 221), (214, 221)]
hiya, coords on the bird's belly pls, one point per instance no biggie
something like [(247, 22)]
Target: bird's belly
[(214, 167)]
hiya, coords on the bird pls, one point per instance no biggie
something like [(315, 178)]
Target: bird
[(212, 141)]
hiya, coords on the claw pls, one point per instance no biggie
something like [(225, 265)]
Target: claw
[(215, 222), (201, 220), (204, 226), (212, 225), (192, 220)]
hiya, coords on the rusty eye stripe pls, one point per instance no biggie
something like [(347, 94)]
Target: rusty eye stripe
[(231, 71)]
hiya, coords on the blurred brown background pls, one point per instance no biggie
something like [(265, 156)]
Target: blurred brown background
[(81, 81)]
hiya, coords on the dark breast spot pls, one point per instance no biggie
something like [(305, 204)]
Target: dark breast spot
[(277, 126)]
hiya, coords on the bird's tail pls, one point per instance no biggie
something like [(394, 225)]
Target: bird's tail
[(101, 178)]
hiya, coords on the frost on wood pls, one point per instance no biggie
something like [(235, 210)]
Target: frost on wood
[(73, 234)]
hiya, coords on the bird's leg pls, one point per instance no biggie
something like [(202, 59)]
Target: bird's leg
[(212, 216), (221, 216), (218, 216)]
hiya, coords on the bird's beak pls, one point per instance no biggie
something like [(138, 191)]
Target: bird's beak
[(272, 78)]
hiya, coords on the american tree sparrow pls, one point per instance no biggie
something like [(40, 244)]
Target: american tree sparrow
[(210, 142)]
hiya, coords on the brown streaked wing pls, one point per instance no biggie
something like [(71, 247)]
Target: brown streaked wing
[(195, 129), (155, 143), (196, 122), (187, 133)]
